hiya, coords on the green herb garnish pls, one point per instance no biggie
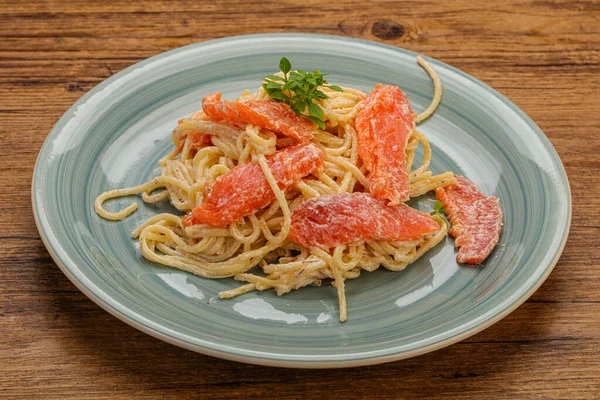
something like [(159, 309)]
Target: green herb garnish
[(300, 90), (438, 209)]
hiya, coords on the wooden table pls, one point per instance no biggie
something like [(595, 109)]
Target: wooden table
[(543, 55)]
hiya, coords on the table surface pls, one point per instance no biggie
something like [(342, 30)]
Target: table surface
[(543, 55)]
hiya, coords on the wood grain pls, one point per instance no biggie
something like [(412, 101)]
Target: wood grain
[(55, 343)]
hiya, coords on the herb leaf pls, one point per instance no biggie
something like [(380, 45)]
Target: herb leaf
[(315, 111), (317, 121), (285, 65), (273, 85), (273, 78), (279, 96), (297, 108), (438, 208), (300, 90)]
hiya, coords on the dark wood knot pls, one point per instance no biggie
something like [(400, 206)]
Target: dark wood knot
[(387, 30), (73, 87)]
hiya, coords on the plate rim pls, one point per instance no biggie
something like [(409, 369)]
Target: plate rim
[(269, 358)]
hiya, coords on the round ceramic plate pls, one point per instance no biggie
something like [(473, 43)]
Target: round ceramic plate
[(114, 135)]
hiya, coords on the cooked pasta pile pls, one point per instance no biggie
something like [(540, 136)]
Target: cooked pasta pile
[(261, 239)]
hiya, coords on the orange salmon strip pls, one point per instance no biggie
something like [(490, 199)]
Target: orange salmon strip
[(277, 117), (244, 190)]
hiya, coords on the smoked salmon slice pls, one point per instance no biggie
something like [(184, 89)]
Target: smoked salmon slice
[(277, 117), (337, 219), (244, 190), (200, 140), (476, 220), (384, 124)]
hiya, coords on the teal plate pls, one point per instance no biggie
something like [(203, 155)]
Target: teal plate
[(114, 135)]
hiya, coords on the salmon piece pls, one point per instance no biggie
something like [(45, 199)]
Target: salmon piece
[(332, 220), (384, 124), (200, 140), (277, 117), (476, 220), (244, 190)]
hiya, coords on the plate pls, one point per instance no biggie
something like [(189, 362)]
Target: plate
[(114, 135)]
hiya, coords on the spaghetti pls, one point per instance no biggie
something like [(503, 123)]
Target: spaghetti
[(260, 239)]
